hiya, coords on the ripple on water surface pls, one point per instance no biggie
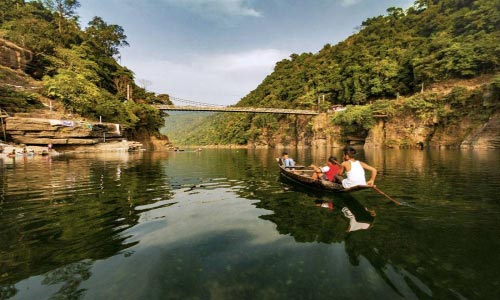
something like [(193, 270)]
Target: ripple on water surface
[(196, 225)]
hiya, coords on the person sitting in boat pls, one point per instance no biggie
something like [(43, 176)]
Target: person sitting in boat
[(287, 161), (355, 170), (327, 172), (12, 154)]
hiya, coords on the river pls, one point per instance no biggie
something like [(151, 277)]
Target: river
[(222, 224)]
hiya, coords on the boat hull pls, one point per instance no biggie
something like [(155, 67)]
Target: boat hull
[(300, 176)]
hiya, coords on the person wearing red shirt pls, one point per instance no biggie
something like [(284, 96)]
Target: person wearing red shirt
[(327, 172)]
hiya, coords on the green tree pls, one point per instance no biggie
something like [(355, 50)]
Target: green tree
[(65, 9), (106, 39)]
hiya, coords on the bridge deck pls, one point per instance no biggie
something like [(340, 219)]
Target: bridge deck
[(261, 110)]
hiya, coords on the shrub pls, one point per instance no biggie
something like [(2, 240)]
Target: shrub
[(359, 116)]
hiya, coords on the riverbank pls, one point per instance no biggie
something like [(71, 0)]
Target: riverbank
[(74, 134), (249, 146), (14, 150)]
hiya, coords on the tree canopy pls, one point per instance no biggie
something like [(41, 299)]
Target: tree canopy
[(79, 67)]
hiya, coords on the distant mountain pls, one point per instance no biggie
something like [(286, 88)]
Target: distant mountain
[(178, 125)]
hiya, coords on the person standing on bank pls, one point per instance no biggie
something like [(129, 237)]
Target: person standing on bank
[(355, 170)]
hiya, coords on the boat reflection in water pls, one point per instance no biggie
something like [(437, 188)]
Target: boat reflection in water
[(328, 219), (360, 218)]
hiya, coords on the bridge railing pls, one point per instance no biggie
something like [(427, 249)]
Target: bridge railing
[(236, 109)]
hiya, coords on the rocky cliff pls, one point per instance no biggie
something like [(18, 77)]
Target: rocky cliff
[(14, 56), (467, 117), (486, 136), (463, 117), (409, 132), (31, 122), (38, 131)]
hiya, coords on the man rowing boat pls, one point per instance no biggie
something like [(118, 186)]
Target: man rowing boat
[(355, 170)]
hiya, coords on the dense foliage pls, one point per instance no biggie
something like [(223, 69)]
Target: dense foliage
[(391, 55), (179, 124), (78, 66), (431, 108)]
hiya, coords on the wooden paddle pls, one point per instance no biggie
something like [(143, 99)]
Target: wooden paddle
[(374, 187)]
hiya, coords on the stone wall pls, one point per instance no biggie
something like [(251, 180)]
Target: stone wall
[(13, 56)]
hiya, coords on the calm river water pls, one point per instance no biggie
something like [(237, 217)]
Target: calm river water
[(221, 224)]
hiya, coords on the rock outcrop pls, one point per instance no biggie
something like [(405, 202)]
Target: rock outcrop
[(405, 132), (486, 136), (324, 133), (13, 56), (38, 131), (410, 132)]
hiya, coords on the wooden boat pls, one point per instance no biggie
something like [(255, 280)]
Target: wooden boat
[(303, 176)]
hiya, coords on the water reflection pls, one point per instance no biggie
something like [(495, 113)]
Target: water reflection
[(319, 221), (221, 224), (60, 213), (69, 278)]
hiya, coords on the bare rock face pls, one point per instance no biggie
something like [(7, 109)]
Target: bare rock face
[(123, 146), (38, 131), (451, 135), (376, 136), (325, 134), (13, 56), (28, 124), (486, 136), (410, 132)]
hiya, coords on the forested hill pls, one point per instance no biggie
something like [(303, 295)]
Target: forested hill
[(390, 55), (431, 41), (74, 66)]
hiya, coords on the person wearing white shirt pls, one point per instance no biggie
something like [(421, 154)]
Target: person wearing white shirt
[(355, 170)]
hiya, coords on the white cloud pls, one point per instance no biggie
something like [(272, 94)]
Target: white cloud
[(350, 2), (256, 59), (217, 79), (217, 8)]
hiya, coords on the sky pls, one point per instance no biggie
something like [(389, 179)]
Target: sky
[(217, 51)]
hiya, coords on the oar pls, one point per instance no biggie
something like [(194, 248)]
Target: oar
[(384, 194)]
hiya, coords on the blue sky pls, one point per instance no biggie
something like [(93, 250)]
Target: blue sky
[(217, 51)]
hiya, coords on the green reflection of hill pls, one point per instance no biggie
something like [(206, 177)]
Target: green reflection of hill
[(59, 215)]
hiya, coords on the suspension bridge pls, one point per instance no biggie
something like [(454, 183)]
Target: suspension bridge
[(189, 105)]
